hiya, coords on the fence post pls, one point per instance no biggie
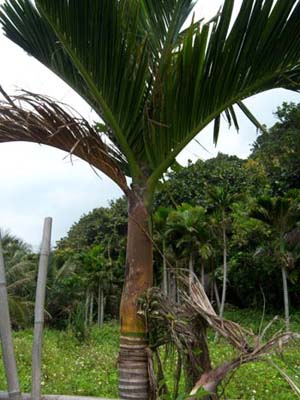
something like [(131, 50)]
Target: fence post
[(39, 310), (9, 359)]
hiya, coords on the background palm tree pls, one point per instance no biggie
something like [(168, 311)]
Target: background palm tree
[(20, 269), (155, 86), (188, 231), (281, 214), (221, 200), (160, 218)]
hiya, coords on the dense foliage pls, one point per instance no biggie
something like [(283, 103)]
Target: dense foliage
[(278, 150)]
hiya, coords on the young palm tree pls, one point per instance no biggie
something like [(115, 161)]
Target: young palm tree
[(221, 200), (155, 86), (188, 230), (159, 221)]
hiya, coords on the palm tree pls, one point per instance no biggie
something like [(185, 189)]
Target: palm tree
[(99, 273), (159, 221), (187, 229), (20, 273), (155, 85), (221, 200), (281, 214)]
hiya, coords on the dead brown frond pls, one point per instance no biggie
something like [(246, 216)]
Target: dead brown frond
[(184, 326), (39, 119), (251, 347)]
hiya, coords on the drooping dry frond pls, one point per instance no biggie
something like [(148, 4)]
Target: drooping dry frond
[(250, 347), (39, 119), (172, 323)]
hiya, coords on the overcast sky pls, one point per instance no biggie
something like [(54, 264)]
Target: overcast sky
[(36, 181)]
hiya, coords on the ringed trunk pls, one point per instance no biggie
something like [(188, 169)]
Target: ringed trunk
[(133, 358)]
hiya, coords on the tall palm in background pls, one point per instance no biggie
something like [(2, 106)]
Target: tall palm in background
[(160, 218), (221, 200), (281, 215), (155, 86)]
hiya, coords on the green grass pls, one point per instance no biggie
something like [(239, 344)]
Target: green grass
[(71, 367), (89, 368), (260, 380)]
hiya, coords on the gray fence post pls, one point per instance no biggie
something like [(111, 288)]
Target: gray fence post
[(9, 359), (39, 310)]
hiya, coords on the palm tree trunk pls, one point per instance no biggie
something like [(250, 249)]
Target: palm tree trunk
[(172, 291), (91, 308), (39, 311), (133, 359), (202, 275), (99, 304), (224, 272), (165, 276), (10, 365), (100, 312), (191, 270), (285, 298), (100, 307), (217, 295), (86, 308)]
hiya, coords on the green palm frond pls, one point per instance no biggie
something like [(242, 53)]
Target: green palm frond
[(163, 20), (21, 282), (20, 269), (219, 66), (187, 227), (21, 310), (155, 85), (94, 47), (280, 213)]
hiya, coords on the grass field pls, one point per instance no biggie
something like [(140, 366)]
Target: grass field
[(89, 368)]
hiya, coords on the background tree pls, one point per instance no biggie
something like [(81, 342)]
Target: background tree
[(278, 150)]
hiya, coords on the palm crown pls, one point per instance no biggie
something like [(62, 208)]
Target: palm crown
[(154, 84)]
